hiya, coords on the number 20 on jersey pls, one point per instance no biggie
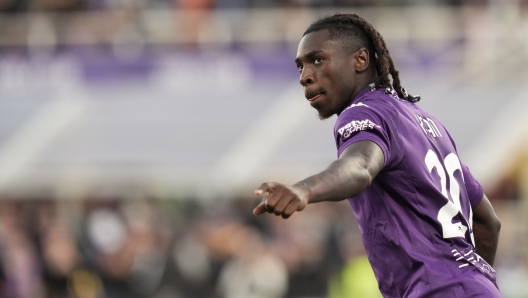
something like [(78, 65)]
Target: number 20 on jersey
[(453, 206)]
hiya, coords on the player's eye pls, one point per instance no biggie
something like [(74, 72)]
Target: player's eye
[(300, 67), (318, 60)]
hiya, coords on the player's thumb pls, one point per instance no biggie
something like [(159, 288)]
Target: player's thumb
[(260, 209)]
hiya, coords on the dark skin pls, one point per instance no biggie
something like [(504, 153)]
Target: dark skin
[(330, 86), (331, 76), (486, 230)]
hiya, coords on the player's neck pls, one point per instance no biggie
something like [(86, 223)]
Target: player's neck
[(364, 83)]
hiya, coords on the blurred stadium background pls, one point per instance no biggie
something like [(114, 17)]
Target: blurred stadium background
[(133, 133)]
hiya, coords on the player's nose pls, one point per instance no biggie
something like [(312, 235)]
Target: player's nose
[(307, 77)]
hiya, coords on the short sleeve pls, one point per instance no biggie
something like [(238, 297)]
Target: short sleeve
[(363, 121), (474, 189)]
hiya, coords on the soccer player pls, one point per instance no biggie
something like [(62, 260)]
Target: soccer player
[(427, 227)]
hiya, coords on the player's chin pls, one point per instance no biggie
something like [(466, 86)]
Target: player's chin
[(324, 113)]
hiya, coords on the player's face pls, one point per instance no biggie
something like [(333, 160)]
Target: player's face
[(327, 73)]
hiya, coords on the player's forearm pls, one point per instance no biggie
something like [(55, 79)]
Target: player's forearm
[(487, 240), (486, 230), (344, 178)]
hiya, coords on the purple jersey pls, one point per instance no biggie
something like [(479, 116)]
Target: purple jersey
[(416, 217)]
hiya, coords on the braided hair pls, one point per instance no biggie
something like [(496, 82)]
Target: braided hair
[(358, 32)]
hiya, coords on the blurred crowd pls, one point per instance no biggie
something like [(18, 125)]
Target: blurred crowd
[(77, 5), (112, 248), (161, 248), (131, 26)]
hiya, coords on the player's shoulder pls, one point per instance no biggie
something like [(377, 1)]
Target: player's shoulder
[(369, 110), (375, 101)]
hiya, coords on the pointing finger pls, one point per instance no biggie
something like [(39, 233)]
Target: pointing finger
[(265, 187)]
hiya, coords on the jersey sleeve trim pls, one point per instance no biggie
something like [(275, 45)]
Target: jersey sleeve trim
[(476, 197), (474, 189)]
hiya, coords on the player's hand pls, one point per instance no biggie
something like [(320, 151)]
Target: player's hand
[(281, 199)]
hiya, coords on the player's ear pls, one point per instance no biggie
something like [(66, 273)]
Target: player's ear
[(361, 59)]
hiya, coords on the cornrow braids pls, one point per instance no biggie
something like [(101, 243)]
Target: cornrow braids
[(358, 32)]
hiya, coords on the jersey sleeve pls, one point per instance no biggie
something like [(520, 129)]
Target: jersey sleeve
[(474, 189), (363, 122)]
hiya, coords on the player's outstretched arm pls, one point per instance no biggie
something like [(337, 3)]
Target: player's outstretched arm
[(346, 177), (486, 228)]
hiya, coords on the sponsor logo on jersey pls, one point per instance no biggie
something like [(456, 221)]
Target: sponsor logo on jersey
[(428, 126), (354, 126), (359, 104)]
